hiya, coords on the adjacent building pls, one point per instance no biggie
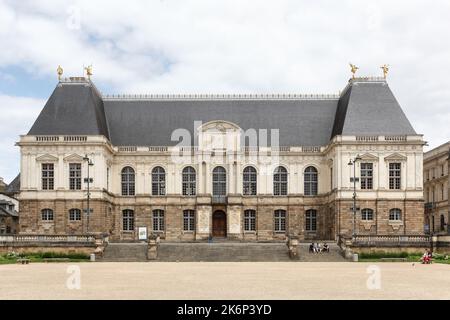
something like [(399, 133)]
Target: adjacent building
[(9, 207), (250, 167), (437, 189)]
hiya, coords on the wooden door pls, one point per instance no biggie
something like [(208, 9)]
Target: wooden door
[(219, 224)]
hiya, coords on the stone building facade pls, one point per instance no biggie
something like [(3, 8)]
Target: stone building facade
[(437, 189), (247, 167)]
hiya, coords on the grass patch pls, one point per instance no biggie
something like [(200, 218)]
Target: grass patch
[(410, 257), (40, 256)]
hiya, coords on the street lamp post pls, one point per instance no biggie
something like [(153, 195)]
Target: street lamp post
[(88, 180), (352, 162)]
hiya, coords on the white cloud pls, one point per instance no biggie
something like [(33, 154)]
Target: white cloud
[(240, 46), (17, 117)]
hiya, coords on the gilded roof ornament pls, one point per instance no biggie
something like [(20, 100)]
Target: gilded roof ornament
[(89, 71), (385, 69), (353, 70), (60, 71)]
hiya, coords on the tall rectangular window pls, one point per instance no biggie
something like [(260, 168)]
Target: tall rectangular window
[(189, 220), (311, 220), (366, 176), (280, 220), (128, 220), (249, 220), (75, 176), (48, 176), (395, 176), (158, 220)]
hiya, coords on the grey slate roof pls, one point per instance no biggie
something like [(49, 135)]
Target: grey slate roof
[(73, 109), (365, 107), (300, 122), (14, 186), (370, 108)]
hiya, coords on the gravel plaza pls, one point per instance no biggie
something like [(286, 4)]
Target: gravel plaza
[(222, 280)]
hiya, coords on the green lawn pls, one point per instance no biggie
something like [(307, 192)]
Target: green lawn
[(39, 257), (410, 257)]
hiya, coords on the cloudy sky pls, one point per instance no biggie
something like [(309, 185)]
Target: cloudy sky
[(212, 46)]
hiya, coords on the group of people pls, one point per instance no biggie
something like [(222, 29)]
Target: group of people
[(318, 248), (427, 257)]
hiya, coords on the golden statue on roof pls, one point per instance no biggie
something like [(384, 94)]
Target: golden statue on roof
[(385, 69), (353, 70), (60, 71), (89, 71)]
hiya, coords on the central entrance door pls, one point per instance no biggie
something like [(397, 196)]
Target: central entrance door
[(219, 224)]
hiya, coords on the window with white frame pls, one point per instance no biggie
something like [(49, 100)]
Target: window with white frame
[(189, 220), (158, 181), (219, 181), (158, 220), (311, 220), (366, 176), (395, 176), (189, 182), (128, 181), (47, 215), (366, 214), (249, 220), (48, 176), (249, 181), (395, 214), (280, 183), (280, 220), (75, 176), (310, 182), (74, 215), (128, 220)]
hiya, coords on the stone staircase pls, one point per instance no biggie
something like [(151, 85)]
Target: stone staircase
[(125, 252), (222, 251), (218, 251)]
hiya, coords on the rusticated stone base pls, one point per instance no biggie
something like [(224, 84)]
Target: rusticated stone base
[(334, 218)]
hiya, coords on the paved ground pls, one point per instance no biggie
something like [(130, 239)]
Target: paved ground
[(223, 280)]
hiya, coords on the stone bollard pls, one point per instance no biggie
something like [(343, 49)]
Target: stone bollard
[(152, 249), (293, 248)]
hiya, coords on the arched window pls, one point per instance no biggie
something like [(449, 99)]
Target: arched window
[(219, 181), (158, 220), (189, 181), (128, 180), (442, 222), (280, 182), (158, 181), (311, 220), (47, 214), (395, 214), (280, 220), (128, 220), (249, 220), (310, 181), (74, 215), (249, 181), (366, 214)]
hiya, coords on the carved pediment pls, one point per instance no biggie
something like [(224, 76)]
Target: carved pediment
[(219, 126), (369, 157), (74, 158), (395, 157), (47, 157)]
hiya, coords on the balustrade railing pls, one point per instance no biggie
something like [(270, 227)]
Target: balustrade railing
[(377, 239), (24, 238)]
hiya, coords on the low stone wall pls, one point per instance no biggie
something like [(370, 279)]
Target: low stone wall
[(54, 248), (391, 249)]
